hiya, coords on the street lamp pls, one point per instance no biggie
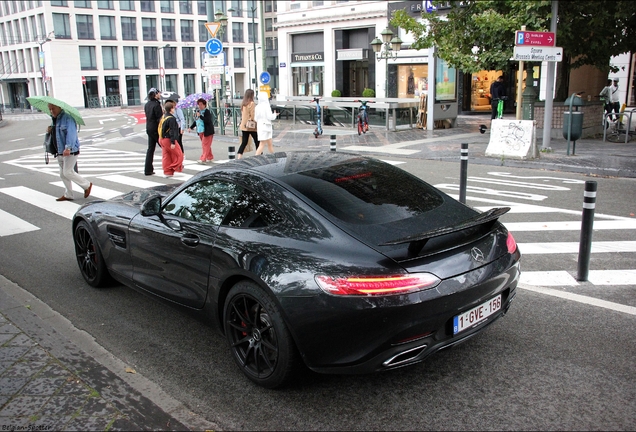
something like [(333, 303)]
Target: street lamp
[(386, 49), (42, 64), (221, 19), (253, 9), (163, 87), (249, 67)]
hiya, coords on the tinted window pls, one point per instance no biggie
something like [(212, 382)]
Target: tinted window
[(207, 201), (219, 202), (250, 211), (364, 192)]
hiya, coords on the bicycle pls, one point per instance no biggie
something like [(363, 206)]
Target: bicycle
[(363, 116), (615, 129), (318, 130)]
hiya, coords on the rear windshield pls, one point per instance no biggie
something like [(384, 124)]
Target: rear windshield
[(366, 192)]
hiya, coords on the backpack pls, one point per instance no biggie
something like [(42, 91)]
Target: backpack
[(160, 130)]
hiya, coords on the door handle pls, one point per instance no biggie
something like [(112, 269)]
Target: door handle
[(190, 240)]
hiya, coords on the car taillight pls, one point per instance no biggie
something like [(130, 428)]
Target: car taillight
[(511, 243), (377, 285)]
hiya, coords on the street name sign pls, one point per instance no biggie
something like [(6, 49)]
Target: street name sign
[(530, 53), (533, 38)]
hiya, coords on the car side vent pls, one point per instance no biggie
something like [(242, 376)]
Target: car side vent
[(117, 237)]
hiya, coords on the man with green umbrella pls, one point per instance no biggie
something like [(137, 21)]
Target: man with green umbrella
[(64, 136)]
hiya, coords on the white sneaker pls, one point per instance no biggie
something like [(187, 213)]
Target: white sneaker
[(200, 162)]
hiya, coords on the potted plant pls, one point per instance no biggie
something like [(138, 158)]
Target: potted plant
[(336, 93), (367, 92)]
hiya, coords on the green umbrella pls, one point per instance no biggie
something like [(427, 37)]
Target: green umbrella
[(42, 103)]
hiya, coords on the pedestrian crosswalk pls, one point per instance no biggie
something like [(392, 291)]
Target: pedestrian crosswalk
[(541, 230)]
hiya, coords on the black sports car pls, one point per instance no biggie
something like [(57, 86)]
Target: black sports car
[(341, 262)]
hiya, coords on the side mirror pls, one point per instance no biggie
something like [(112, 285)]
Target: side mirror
[(152, 206)]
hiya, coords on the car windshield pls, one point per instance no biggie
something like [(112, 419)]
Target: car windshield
[(366, 192)]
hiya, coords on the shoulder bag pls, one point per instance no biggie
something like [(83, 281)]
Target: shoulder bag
[(49, 147), (250, 124)]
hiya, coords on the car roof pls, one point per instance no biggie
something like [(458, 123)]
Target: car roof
[(280, 164)]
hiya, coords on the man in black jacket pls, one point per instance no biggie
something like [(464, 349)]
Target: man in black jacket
[(154, 112)]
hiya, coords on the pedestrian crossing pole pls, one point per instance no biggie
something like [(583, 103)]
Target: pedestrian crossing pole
[(587, 226), (332, 142), (463, 173), (231, 152)]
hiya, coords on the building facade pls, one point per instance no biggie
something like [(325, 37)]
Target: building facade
[(114, 51)]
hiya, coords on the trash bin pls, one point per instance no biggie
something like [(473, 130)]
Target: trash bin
[(573, 119)]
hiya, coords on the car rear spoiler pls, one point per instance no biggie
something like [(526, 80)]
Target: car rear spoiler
[(419, 240)]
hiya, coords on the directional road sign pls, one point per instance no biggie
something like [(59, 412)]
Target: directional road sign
[(532, 38), (265, 77), (214, 46), (530, 53)]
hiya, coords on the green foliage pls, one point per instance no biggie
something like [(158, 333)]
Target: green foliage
[(590, 32), (367, 92), (336, 93)]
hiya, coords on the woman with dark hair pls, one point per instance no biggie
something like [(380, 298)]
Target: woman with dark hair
[(205, 128), (171, 154), (247, 114)]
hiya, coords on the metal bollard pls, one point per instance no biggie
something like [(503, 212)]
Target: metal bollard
[(332, 142), (231, 152), (463, 173), (587, 226)]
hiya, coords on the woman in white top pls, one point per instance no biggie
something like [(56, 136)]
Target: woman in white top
[(263, 115)]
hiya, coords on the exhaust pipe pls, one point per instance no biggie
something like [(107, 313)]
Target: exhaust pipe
[(404, 356)]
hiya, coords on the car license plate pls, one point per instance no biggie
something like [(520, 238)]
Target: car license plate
[(476, 315)]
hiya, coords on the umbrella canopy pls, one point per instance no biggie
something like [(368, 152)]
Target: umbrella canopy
[(168, 95), (190, 101), (42, 103)]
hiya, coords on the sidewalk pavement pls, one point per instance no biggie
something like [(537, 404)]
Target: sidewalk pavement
[(48, 383)]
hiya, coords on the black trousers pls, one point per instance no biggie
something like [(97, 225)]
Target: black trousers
[(245, 138), (153, 141)]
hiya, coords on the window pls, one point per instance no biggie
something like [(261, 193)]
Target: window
[(207, 202), (53, 3), (61, 26), (237, 32), (170, 58), (203, 32), (269, 24), (85, 4), (252, 7), (150, 58), (318, 3), (187, 30), (106, 4), (268, 6), (131, 61), (87, 58), (166, 6), (147, 6), (271, 43), (252, 32), (188, 57), (18, 36), (128, 28), (107, 27), (109, 57), (149, 29), (171, 82), (188, 83), (127, 5), (34, 28), (84, 26), (239, 57), (41, 27), (185, 7), (167, 30), (132, 90), (238, 11), (201, 7)]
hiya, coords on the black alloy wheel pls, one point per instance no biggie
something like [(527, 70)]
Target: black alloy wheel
[(89, 256), (258, 338)]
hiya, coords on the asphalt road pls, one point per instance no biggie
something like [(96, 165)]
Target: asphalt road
[(551, 363)]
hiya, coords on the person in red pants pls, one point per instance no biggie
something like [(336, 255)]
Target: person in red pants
[(171, 154), (205, 128)]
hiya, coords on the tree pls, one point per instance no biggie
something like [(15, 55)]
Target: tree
[(480, 34)]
